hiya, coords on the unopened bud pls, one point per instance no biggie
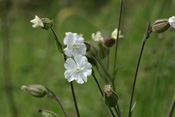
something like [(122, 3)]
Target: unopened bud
[(93, 49), (88, 45), (103, 50), (47, 113), (35, 90), (47, 23), (111, 98), (109, 42), (160, 25)]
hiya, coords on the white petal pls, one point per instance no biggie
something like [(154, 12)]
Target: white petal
[(171, 21), (83, 77), (67, 74), (71, 63), (80, 80)]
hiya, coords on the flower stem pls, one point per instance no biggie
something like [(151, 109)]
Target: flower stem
[(103, 67), (74, 98), (59, 45), (108, 58), (58, 101), (101, 75), (117, 111), (172, 108), (135, 77), (116, 43), (60, 49), (111, 112)]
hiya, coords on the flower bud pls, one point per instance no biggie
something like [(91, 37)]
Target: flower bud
[(91, 60), (47, 113), (88, 45), (47, 23), (160, 26), (109, 42), (93, 49), (36, 90), (111, 97), (103, 51)]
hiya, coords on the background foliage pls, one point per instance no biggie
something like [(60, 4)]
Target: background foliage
[(34, 58)]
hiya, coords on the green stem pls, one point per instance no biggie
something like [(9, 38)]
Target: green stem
[(101, 75), (135, 77), (58, 101), (116, 43), (59, 45), (103, 67), (74, 98), (110, 110)]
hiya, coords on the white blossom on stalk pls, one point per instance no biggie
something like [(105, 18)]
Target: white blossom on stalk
[(75, 44), (114, 34), (171, 21), (97, 36), (37, 22), (77, 69)]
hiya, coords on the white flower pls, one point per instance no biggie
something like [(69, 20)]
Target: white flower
[(77, 69), (37, 22), (75, 44), (114, 34), (171, 21), (97, 36)]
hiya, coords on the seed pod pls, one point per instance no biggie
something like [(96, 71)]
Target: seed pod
[(111, 97), (47, 113), (36, 90), (160, 26)]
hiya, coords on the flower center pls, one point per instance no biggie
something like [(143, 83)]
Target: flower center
[(78, 70), (75, 45)]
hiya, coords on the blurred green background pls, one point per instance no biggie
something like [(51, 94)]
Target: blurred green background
[(29, 56)]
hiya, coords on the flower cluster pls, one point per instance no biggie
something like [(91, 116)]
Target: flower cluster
[(78, 67)]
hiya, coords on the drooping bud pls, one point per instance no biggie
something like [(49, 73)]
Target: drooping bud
[(111, 97), (88, 45), (171, 21), (47, 113), (109, 42), (92, 52), (37, 22), (103, 50), (93, 49), (36, 90), (160, 26), (47, 23)]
